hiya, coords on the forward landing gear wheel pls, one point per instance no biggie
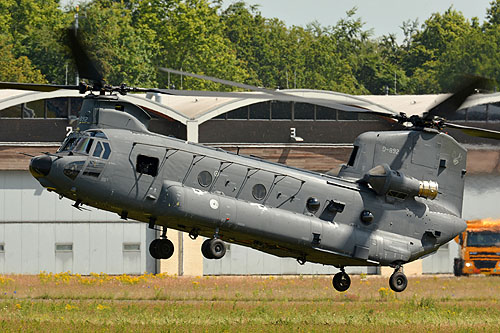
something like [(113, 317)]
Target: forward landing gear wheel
[(398, 281), (161, 248), (205, 249), (213, 248), (341, 281)]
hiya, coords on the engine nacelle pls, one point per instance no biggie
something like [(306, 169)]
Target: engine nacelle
[(386, 181)]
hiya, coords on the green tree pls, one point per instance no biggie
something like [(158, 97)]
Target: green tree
[(123, 52)]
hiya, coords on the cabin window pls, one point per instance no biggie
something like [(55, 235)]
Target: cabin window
[(147, 165), (205, 178), (313, 204), (259, 191), (2, 248)]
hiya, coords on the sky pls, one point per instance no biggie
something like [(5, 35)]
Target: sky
[(383, 16)]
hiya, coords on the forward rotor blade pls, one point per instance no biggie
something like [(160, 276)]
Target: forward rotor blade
[(270, 95), (85, 66), (217, 80), (35, 86), (267, 93), (475, 131), (446, 108)]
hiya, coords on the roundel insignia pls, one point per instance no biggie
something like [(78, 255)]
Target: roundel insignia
[(214, 204)]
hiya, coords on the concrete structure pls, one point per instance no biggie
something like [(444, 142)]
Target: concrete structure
[(39, 232)]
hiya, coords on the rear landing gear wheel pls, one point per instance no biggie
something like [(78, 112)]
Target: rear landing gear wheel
[(398, 281), (213, 248), (341, 281), (161, 249)]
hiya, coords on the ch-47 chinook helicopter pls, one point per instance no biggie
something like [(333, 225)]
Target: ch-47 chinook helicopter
[(398, 198)]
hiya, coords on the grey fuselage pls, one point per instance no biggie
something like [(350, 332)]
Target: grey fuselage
[(271, 207)]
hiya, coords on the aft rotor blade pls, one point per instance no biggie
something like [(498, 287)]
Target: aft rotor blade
[(85, 66), (35, 86), (447, 108), (475, 131)]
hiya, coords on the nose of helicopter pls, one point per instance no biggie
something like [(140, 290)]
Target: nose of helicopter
[(40, 166)]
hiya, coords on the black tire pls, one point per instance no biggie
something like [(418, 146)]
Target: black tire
[(217, 248), (153, 249), (205, 249), (341, 281), (398, 282), (165, 248)]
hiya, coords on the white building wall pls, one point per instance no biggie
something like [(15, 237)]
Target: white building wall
[(33, 222)]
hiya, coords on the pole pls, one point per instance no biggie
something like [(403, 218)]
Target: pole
[(395, 91), (76, 29)]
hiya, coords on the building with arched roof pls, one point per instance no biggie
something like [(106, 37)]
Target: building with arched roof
[(302, 128)]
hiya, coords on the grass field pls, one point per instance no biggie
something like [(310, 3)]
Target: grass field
[(64, 302)]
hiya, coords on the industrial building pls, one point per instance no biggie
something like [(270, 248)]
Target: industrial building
[(39, 232)]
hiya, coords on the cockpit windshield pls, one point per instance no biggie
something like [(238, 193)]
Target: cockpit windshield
[(69, 143), (82, 142)]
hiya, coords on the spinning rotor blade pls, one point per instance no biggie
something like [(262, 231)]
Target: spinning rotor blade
[(447, 108), (475, 131), (268, 93), (217, 80), (85, 66), (34, 86)]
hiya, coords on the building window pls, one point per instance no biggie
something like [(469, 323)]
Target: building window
[(324, 113), (260, 111), (238, 114), (2, 247), (281, 110), (65, 247), (131, 247), (147, 165), (344, 115), (303, 111)]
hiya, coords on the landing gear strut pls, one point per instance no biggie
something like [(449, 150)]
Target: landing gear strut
[(341, 281), (161, 248), (213, 248), (398, 281)]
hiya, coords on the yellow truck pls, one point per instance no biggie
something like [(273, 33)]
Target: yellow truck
[(479, 248)]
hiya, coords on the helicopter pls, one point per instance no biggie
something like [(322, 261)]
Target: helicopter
[(398, 198)]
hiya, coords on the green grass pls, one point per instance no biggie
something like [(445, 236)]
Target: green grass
[(278, 304)]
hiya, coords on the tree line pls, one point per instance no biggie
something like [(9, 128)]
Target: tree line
[(130, 39)]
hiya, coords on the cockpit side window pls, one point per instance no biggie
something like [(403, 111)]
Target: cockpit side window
[(107, 150), (98, 150), (84, 145)]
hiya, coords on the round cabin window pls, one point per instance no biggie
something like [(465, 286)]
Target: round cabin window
[(205, 178), (313, 204), (259, 191)]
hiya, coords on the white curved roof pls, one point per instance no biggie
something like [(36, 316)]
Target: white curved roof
[(203, 108)]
